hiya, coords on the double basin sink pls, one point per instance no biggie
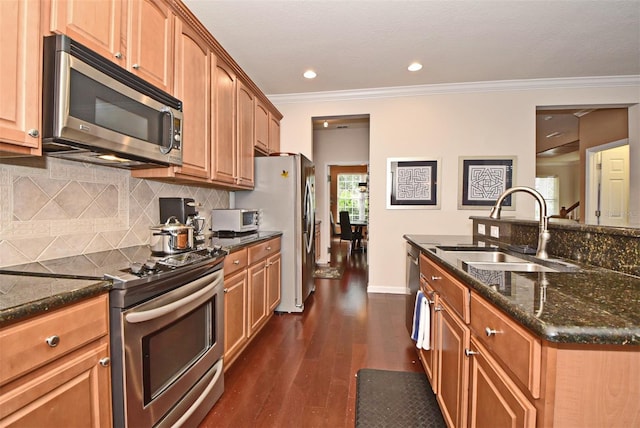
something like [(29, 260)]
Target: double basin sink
[(488, 258)]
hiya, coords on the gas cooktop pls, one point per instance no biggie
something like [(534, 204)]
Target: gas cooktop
[(126, 267)]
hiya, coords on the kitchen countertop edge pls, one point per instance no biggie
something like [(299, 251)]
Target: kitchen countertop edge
[(555, 333)]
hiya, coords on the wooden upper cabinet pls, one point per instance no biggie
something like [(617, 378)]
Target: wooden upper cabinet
[(150, 42), (192, 86), (224, 153), (246, 135), (274, 133), (262, 127), (20, 83), (96, 24)]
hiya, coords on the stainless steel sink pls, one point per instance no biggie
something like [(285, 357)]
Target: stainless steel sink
[(495, 259)]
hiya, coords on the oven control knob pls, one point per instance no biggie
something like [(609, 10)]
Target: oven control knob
[(136, 267), (150, 264)]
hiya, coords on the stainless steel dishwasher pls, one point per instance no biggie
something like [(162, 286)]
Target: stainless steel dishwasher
[(413, 282)]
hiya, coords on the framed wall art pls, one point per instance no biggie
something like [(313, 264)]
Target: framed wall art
[(483, 179), (413, 183)]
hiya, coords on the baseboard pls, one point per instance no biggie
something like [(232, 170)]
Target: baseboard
[(386, 290)]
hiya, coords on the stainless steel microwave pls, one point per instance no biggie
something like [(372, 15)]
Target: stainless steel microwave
[(95, 111)]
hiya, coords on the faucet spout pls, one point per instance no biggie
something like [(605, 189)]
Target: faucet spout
[(544, 236)]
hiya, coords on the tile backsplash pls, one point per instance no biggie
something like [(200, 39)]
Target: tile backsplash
[(61, 208)]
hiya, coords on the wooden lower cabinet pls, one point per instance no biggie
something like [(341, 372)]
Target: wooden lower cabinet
[(64, 385), (495, 401), (252, 291), (453, 366)]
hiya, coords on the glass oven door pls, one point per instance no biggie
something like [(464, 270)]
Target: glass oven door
[(170, 342)]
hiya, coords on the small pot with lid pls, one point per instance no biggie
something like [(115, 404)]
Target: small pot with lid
[(171, 237)]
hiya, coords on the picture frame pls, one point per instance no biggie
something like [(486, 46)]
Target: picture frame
[(413, 183), (483, 179)]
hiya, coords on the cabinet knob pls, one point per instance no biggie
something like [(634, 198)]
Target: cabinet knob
[(469, 352), (118, 55), (435, 278), (490, 332), (33, 133), (104, 362), (135, 66), (52, 341)]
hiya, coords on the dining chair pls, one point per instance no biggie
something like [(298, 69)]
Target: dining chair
[(346, 231)]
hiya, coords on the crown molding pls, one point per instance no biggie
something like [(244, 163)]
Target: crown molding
[(456, 88)]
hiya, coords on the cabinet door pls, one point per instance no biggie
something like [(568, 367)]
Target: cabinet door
[(494, 399), (429, 357), (192, 86), (95, 24), (453, 367), (273, 281), (257, 295), (274, 134), (224, 141), (20, 78), (262, 127), (150, 42), (235, 315), (246, 135), (74, 391)]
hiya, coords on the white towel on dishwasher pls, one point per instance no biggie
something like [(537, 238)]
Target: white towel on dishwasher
[(424, 332), (421, 322)]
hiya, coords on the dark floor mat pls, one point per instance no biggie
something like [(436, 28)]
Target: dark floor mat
[(395, 399)]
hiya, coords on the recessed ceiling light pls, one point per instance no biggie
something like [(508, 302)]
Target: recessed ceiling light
[(310, 74), (415, 66)]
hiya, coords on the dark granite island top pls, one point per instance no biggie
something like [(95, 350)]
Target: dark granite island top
[(589, 306)]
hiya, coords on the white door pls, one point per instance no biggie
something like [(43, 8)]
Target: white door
[(609, 204)]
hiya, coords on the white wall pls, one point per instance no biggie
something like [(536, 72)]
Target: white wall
[(335, 147), (439, 123)]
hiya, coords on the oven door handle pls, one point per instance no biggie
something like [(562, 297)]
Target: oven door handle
[(191, 410), (138, 317)]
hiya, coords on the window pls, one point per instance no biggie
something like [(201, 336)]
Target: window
[(548, 188), (352, 197)]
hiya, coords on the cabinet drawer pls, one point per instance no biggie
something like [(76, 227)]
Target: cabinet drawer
[(516, 349), (263, 250), (235, 261), (23, 346), (453, 292)]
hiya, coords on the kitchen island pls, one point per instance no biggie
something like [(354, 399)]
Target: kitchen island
[(529, 349)]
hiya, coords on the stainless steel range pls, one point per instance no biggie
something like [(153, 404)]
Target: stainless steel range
[(167, 326), (167, 329)]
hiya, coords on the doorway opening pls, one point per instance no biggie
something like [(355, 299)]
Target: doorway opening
[(341, 157)]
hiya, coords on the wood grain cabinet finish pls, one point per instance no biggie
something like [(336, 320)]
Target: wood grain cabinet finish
[(495, 400), (20, 79), (55, 368), (252, 291)]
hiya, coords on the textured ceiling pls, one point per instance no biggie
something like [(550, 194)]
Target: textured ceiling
[(369, 44)]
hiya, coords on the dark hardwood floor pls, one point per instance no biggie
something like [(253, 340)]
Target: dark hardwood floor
[(300, 370)]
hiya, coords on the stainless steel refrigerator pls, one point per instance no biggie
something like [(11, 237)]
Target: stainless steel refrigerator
[(284, 192)]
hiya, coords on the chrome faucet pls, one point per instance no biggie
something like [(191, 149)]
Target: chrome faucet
[(544, 235)]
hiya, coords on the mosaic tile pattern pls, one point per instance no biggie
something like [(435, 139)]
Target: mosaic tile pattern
[(66, 208)]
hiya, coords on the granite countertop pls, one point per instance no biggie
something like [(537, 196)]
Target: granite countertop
[(590, 305), (34, 288), (22, 296)]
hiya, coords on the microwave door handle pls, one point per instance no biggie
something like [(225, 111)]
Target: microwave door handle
[(166, 149)]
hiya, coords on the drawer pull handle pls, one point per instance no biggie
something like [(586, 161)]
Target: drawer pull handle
[(469, 352), (52, 341), (435, 278), (491, 332), (104, 362), (236, 262), (438, 308)]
